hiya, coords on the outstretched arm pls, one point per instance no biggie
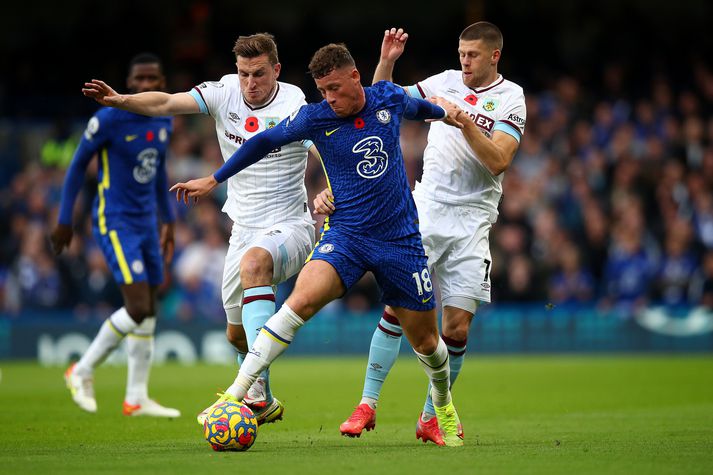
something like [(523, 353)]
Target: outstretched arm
[(392, 46), (152, 103), (419, 109), (250, 152)]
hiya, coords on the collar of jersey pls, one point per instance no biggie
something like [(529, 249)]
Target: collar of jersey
[(497, 82), (274, 95)]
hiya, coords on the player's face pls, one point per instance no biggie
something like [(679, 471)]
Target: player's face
[(342, 90), (145, 77), (258, 78), (478, 62)]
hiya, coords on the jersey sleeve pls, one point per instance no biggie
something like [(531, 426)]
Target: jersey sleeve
[(306, 143), (210, 95), (95, 136), (298, 126), (513, 117)]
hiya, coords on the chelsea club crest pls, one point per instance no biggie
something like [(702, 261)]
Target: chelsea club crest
[(383, 116), (326, 248)]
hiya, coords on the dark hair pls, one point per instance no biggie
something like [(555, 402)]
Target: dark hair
[(328, 58), (256, 45), (146, 58), (483, 30)]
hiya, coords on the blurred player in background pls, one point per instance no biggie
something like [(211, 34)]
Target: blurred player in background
[(273, 231), (457, 202), (375, 227), (132, 187)]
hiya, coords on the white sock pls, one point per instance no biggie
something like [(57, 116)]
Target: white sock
[(114, 329), (438, 371), (371, 402), (274, 338), (139, 347)]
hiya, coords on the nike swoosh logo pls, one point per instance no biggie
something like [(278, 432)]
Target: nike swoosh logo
[(426, 300), (129, 138), (330, 132)]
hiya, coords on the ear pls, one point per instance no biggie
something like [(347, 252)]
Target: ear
[(355, 75), (278, 68), (496, 56)]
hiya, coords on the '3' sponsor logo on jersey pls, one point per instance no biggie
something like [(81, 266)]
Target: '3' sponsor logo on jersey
[(145, 171), (376, 160)]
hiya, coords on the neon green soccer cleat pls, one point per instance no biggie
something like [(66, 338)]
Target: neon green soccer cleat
[(222, 397), (450, 425)]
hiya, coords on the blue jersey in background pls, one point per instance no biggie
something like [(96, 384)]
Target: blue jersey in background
[(132, 189)]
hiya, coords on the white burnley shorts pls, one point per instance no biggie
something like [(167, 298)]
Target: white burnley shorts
[(456, 241), (289, 243)]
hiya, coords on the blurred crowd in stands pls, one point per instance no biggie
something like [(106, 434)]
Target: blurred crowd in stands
[(609, 202)]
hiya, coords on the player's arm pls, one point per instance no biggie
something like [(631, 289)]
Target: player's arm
[(392, 46), (495, 154), (153, 103), (61, 235), (166, 213), (250, 152), (419, 109), (312, 151)]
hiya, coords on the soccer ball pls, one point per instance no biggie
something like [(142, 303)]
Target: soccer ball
[(230, 426)]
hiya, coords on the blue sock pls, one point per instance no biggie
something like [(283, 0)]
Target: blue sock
[(456, 353), (384, 350), (241, 357), (258, 307)]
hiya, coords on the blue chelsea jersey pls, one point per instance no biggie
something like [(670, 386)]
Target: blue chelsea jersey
[(132, 153), (362, 159)]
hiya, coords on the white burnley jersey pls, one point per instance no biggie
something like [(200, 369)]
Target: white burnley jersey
[(452, 174), (272, 190)]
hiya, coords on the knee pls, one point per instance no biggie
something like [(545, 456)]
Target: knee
[(425, 344), (140, 308), (256, 269), (456, 324), (457, 332), (301, 305)]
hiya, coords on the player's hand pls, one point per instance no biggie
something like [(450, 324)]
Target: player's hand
[(60, 238), (393, 44), (102, 93), (194, 188), (324, 203), (454, 113), (167, 242)]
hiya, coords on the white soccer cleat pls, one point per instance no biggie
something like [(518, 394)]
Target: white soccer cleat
[(82, 389), (150, 408), (256, 397), (272, 412)]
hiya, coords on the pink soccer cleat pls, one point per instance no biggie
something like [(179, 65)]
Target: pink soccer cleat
[(429, 430), (363, 417)]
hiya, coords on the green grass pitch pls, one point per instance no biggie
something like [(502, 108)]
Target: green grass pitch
[(521, 414)]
